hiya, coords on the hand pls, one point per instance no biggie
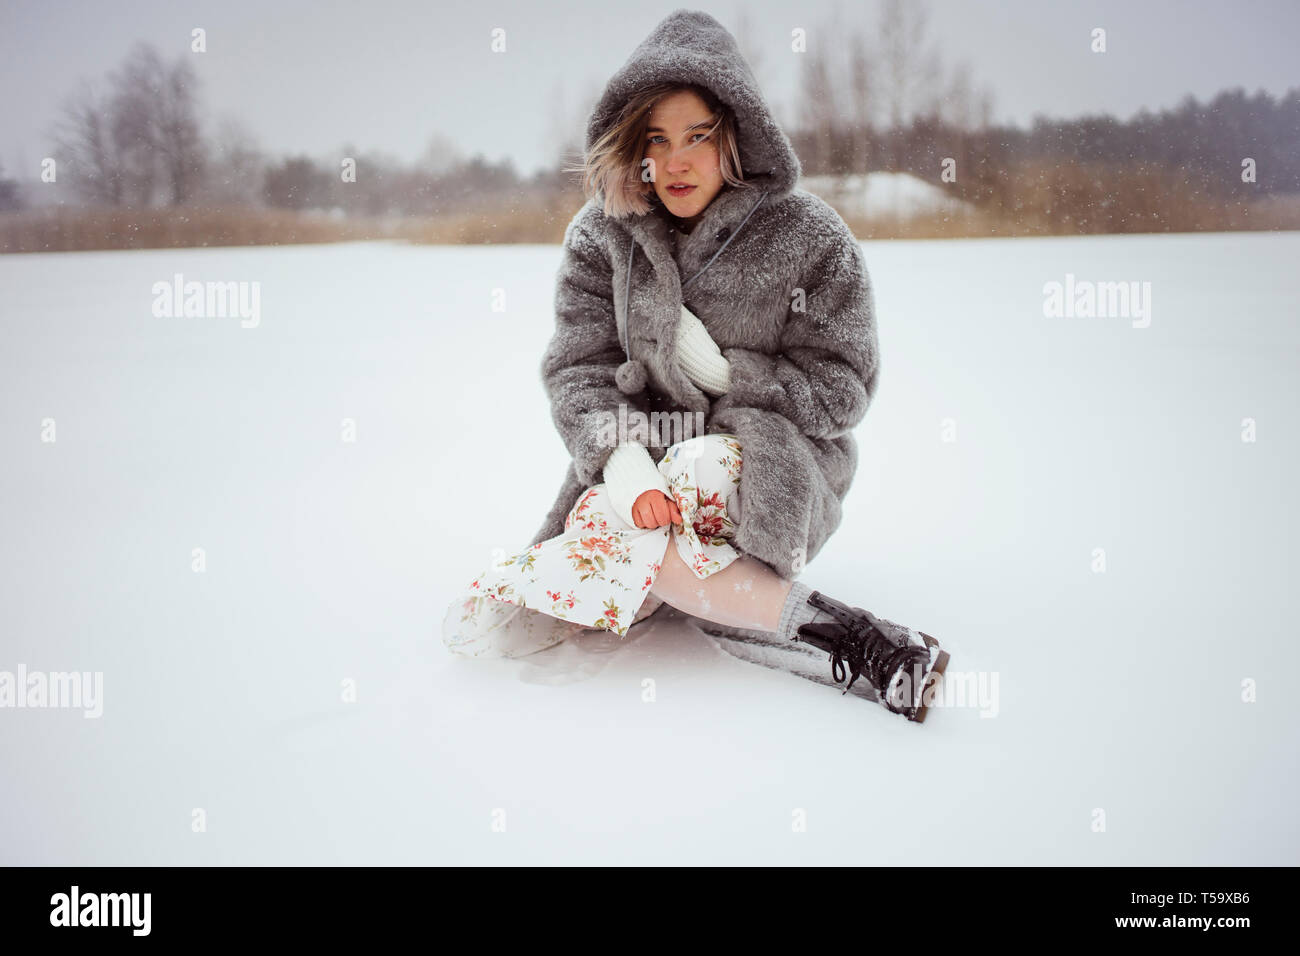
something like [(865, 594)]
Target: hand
[(654, 509)]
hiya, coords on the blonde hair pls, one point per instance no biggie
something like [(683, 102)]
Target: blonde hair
[(613, 164)]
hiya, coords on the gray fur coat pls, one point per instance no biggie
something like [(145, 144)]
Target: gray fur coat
[(788, 301)]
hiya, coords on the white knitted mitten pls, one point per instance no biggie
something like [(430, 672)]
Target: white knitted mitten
[(629, 473), (699, 356)]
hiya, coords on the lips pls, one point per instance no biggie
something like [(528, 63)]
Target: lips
[(681, 190)]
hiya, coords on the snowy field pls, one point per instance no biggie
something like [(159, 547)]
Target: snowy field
[(883, 194), (1003, 449)]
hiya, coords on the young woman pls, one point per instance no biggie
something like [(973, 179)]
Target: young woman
[(715, 346)]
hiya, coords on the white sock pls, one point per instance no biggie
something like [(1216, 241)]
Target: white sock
[(798, 611)]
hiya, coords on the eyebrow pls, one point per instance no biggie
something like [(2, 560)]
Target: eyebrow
[(656, 129)]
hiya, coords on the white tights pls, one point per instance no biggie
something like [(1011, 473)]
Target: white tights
[(746, 593), (748, 597)]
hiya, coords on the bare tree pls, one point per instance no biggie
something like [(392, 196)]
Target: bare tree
[(86, 150), (179, 138), (862, 89), (441, 155), (566, 131), (569, 137), (297, 183), (909, 66), (155, 126), (745, 42), (958, 106), (984, 108), (817, 100), (9, 197), (237, 165)]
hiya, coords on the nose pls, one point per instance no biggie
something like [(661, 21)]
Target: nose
[(677, 160)]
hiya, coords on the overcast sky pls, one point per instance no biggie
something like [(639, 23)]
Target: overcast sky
[(311, 75)]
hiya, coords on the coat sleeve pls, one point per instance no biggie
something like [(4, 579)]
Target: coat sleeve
[(584, 353), (825, 374)]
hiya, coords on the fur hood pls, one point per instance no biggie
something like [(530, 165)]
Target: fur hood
[(689, 46)]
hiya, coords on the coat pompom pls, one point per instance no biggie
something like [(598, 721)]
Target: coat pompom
[(630, 377)]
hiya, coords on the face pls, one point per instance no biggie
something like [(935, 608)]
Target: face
[(683, 152)]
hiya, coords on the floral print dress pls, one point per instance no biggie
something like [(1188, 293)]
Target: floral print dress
[(598, 573)]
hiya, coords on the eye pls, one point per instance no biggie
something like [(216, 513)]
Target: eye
[(653, 140)]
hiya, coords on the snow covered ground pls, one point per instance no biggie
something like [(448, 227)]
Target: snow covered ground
[(1003, 448), (873, 195)]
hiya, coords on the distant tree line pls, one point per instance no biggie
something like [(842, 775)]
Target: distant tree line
[(1204, 143), (885, 103), (862, 106)]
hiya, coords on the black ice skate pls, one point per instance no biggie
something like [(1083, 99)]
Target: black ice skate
[(899, 668)]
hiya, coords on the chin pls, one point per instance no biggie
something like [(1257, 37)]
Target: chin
[(680, 210)]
